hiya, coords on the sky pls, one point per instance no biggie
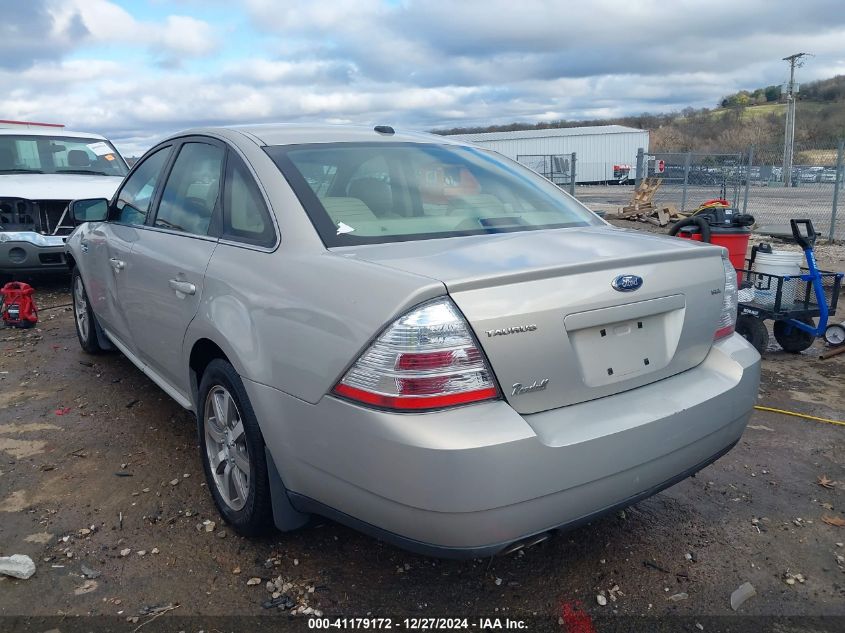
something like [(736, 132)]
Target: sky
[(137, 70)]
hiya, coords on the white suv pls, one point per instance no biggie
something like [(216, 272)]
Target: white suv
[(41, 171)]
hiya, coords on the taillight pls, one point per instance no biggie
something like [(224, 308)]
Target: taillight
[(727, 319), (427, 359)]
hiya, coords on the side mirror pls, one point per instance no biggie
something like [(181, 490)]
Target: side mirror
[(90, 210)]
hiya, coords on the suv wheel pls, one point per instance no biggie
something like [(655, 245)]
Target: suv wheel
[(232, 451), (83, 316)]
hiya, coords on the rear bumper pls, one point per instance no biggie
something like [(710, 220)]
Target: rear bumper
[(470, 481), (27, 256), (308, 505)]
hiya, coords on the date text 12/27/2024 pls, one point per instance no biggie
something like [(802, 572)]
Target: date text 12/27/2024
[(417, 624)]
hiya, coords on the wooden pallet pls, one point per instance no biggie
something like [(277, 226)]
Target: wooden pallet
[(644, 194), (658, 216), (642, 207)]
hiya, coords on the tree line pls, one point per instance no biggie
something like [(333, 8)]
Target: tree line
[(733, 126)]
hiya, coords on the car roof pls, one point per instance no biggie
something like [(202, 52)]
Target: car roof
[(296, 134), (25, 131)]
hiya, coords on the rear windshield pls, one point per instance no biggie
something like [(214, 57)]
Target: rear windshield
[(31, 154), (363, 193)]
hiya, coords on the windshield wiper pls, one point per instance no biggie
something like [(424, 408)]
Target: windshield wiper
[(21, 170), (80, 171), (498, 222)]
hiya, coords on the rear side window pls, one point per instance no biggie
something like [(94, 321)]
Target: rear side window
[(190, 195), (133, 201), (245, 216)]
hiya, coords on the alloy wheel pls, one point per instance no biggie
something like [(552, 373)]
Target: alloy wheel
[(225, 445), (80, 308)]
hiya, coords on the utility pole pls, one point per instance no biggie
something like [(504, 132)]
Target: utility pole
[(789, 132)]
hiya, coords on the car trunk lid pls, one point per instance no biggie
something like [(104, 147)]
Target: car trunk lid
[(545, 310)]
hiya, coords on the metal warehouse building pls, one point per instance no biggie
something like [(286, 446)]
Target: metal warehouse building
[(603, 152)]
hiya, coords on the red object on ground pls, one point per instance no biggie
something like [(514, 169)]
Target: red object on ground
[(575, 618), (735, 240), (18, 306)]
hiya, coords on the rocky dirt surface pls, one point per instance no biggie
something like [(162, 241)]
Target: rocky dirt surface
[(101, 484)]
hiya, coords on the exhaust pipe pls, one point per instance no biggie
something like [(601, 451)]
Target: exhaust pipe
[(525, 543)]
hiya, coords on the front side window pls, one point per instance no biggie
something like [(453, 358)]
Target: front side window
[(59, 155), (190, 195), (135, 197), (362, 193)]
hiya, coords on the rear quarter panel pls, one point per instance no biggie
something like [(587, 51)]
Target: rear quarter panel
[(296, 321)]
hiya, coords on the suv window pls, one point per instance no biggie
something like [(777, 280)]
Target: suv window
[(190, 195), (245, 216), (133, 201), (23, 153)]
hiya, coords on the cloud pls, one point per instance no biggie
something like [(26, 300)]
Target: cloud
[(186, 36), (441, 41), (302, 71), (136, 75), (29, 33), (168, 41)]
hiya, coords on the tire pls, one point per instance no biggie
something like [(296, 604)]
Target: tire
[(232, 454), (754, 331), (791, 339), (834, 334), (83, 316)]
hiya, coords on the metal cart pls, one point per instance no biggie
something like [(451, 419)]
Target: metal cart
[(791, 301)]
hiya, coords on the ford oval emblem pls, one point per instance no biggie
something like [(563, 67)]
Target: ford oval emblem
[(627, 283)]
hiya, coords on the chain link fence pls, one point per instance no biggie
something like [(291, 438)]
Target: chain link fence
[(753, 181), (567, 170), (690, 178), (560, 169), (812, 188)]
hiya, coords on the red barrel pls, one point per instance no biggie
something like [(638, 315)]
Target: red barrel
[(734, 238)]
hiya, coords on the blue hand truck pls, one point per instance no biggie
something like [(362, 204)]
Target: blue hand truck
[(791, 301)]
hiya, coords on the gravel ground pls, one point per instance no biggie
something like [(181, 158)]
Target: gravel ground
[(100, 476)]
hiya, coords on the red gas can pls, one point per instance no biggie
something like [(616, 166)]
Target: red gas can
[(17, 306)]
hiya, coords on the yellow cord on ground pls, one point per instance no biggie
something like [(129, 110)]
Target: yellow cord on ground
[(800, 415)]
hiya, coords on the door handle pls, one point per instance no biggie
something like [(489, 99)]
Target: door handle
[(185, 287), (117, 264)]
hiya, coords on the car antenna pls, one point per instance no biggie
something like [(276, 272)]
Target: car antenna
[(384, 129)]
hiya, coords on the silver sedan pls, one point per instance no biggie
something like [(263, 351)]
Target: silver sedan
[(408, 334)]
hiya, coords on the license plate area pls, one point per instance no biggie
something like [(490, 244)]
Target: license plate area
[(615, 350)]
